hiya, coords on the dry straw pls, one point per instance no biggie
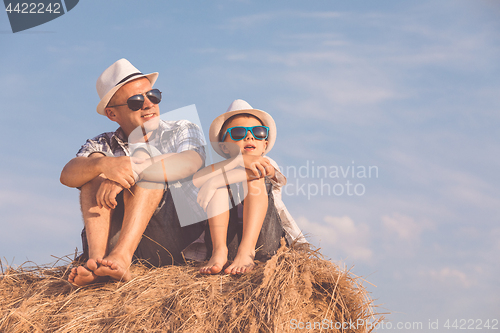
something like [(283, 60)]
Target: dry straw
[(295, 289)]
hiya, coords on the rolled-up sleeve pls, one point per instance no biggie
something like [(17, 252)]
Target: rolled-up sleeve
[(99, 144), (279, 179), (190, 137)]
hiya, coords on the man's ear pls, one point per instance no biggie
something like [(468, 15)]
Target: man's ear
[(110, 113), (223, 147)]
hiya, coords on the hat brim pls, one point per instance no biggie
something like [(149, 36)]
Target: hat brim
[(218, 122), (105, 100)]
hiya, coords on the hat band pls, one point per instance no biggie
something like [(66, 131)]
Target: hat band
[(128, 77)]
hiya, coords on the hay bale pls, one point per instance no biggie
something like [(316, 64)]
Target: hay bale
[(296, 289)]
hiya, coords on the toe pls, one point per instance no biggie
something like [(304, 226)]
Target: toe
[(215, 269), (92, 264), (83, 271)]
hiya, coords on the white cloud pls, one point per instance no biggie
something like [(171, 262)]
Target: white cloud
[(443, 177), (495, 238), (248, 21), (40, 218), (449, 277), (405, 227), (341, 234)]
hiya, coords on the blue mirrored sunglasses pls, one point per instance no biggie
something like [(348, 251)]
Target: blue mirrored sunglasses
[(238, 133)]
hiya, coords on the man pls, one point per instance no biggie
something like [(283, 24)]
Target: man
[(117, 207)]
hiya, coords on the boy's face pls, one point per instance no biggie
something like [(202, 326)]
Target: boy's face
[(249, 145)]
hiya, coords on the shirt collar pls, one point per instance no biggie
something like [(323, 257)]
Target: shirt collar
[(121, 138)]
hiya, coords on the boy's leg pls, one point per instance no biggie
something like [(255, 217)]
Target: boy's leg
[(254, 212), (218, 209), (271, 232)]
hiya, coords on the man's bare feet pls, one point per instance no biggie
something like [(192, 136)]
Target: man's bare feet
[(114, 268), (81, 276), (216, 262), (243, 263)]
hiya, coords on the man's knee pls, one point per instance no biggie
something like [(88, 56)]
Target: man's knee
[(89, 190), (144, 192)]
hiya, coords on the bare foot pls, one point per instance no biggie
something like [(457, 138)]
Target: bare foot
[(81, 276), (243, 263), (216, 262), (114, 268)]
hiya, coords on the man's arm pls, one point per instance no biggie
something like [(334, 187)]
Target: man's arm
[(81, 170), (171, 167)]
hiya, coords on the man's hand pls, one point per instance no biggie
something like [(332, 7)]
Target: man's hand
[(118, 169), (106, 195), (139, 165), (258, 165)]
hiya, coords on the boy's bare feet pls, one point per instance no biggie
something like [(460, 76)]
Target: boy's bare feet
[(114, 268), (243, 263), (216, 262), (81, 275)]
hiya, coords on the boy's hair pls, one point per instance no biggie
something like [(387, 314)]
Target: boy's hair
[(225, 125)]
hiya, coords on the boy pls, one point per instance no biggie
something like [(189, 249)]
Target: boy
[(243, 135)]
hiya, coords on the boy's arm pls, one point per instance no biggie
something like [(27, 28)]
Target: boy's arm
[(215, 170), (259, 166), (256, 166), (208, 189)]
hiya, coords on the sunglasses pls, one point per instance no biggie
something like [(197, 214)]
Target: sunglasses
[(238, 133), (136, 102)]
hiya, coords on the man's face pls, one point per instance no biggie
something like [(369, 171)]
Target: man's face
[(148, 116)]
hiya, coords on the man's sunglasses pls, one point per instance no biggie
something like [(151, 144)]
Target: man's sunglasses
[(238, 133), (136, 102)]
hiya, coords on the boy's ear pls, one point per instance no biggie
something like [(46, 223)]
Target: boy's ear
[(223, 147)]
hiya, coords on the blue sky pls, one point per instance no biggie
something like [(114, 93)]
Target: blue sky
[(410, 88)]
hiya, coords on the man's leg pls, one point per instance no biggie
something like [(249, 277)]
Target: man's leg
[(138, 210), (97, 223), (164, 239)]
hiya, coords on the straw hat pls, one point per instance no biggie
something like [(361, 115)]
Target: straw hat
[(237, 107), (116, 76)]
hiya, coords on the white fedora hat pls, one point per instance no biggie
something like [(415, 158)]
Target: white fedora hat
[(116, 76), (237, 107)]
